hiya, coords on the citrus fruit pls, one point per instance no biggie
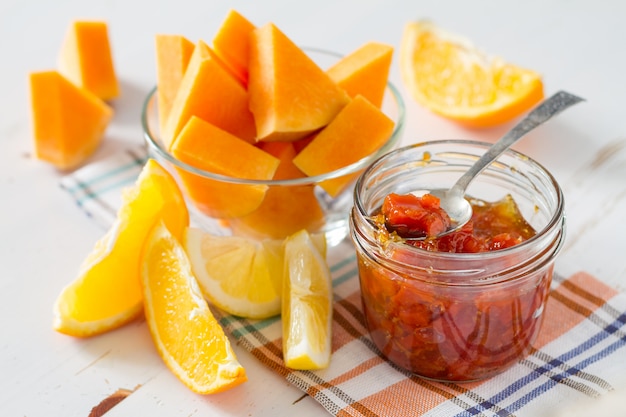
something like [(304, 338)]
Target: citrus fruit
[(239, 275), (186, 334), (448, 75), (107, 292), (306, 305)]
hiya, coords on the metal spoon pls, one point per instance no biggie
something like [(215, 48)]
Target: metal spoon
[(453, 201)]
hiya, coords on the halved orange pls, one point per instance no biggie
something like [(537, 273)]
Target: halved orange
[(186, 334), (448, 75)]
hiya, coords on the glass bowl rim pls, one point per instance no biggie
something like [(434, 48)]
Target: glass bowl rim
[(363, 163)]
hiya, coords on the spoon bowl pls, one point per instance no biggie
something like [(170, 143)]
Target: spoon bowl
[(453, 200), (454, 203)]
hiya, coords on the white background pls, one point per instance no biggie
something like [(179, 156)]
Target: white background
[(577, 46)]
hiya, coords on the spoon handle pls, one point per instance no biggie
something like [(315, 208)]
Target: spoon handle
[(545, 111)]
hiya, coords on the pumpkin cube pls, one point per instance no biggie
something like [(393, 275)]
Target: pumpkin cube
[(364, 71), (209, 91), (286, 209), (172, 57), (358, 131), (207, 147), (290, 95), (232, 44), (68, 121), (85, 59)]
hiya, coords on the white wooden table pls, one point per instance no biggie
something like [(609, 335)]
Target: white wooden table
[(577, 45)]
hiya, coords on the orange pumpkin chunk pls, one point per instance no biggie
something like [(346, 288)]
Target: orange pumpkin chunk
[(365, 71), (290, 95), (285, 209), (338, 144), (209, 148), (173, 53), (68, 121), (209, 91), (85, 59), (232, 44)]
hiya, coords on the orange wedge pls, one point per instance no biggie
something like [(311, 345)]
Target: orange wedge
[(448, 75), (186, 334), (107, 292)]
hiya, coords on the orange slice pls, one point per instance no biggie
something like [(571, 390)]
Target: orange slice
[(186, 334), (107, 292), (448, 75)]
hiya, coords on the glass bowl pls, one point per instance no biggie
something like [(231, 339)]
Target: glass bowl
[(304, 204), (456, 316)]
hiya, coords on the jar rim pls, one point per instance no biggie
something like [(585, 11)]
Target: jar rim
[(555, 222)]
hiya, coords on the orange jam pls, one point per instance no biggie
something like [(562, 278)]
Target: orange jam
[(424, 320), (493, 226), (469, 304)]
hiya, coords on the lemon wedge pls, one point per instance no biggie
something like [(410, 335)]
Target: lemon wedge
[(239, 275), (306, 304)]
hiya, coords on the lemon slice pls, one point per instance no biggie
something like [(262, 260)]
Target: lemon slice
[(445, 73), (239, 275), (186, 334), (306, 305)]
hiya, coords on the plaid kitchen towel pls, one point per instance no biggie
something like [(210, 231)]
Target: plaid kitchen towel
[(580, 352)]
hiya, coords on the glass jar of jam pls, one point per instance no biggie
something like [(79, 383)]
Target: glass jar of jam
[(442, 314)]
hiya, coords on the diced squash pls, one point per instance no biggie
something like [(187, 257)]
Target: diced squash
[(209, 91), (68, 121), (357, 131), (365, 71), (300, 144), (232, 44), (209, 148), (290, 95), (172, 56), (85, 59), (285, 209)]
